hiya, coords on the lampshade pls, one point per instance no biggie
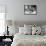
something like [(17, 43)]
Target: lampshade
[(9, 22)]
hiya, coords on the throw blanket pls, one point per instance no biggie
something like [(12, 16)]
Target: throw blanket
[(29, 40)]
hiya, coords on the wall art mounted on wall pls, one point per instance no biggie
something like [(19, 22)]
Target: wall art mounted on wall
[(30, 9)]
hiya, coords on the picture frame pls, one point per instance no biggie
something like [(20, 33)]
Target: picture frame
[(30, 9)]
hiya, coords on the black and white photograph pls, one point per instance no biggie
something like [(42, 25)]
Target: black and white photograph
[(30, 9)]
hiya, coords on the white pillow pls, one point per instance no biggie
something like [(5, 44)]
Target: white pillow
[(28, 26), (42, 30), (28, 31), (13, 30), (24, 30), (21, 30), (36, 30), (44, 27)]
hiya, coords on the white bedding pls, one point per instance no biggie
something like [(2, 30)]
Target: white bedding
[(29, 40)]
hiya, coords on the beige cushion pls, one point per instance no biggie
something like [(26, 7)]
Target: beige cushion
[(36, 30)]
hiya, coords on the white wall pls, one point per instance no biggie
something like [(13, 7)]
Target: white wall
[(15, 9)]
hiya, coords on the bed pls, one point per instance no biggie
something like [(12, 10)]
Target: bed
[(21, 39), (29, 40)]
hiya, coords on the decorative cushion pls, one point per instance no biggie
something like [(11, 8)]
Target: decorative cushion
[(13, 30), (36, 30), (44, 26), (44, 29), (28, 31), (24, 30), (21, 30), (28, 26)]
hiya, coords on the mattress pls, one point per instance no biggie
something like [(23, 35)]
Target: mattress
[(28, 40)]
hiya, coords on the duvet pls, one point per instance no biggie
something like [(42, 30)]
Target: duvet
[(29, 40)]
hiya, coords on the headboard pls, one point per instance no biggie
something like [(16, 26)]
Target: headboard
[(21, 23)]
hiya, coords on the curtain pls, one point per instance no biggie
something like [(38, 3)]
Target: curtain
[(2, 19)]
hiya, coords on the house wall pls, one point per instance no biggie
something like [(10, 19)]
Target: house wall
[(15, 10)]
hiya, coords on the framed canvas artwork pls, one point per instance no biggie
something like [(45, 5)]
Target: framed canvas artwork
[(30, 9)]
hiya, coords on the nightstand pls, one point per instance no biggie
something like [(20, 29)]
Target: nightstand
[(6, 40)]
